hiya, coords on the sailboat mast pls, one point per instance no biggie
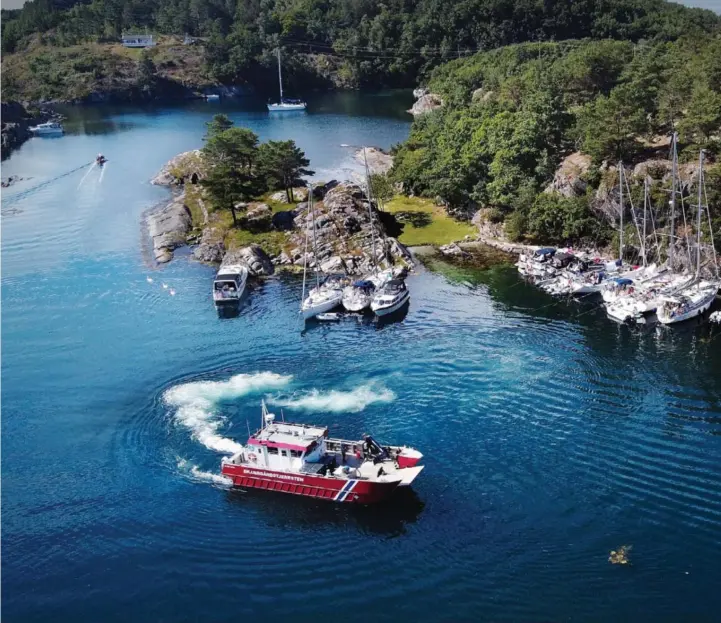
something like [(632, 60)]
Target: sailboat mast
[(698, 214), (645, 202), (305, 257), (370, 207), (280, 78), (620, 233), (674, 173), (315, 248)]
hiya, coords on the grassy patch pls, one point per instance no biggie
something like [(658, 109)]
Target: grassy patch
[(192, 201), (425, 223)]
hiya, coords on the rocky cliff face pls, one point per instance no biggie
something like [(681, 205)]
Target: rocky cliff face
[(345, 237), (169, 228)]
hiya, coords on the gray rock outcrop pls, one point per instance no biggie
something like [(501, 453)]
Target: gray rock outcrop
[(378, 160), (344, 234), (211, 248), (426, 103), (568, 180), (168, 228), (253, 257), (185, 167)]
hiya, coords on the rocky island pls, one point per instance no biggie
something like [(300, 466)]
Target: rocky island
[(351, 234)]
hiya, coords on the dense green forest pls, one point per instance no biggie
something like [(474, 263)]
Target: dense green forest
[(511, 115), (388, 43)]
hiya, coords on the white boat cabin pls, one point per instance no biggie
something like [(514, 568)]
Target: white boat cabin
[(229, 284), (286, 446)]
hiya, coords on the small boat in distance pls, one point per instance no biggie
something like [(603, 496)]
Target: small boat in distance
[(301, 459), (229, 284), (212, 97), (51, 128), (391, 297), (284, 103), (100, 160)]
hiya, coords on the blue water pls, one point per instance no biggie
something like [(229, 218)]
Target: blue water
[(551, 435)]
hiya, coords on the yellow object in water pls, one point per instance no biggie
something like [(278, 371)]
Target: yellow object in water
[(620, 556)]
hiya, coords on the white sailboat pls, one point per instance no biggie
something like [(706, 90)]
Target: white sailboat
[(328, 293), (697, 298), (285, 104)]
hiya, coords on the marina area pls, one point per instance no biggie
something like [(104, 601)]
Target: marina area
[(564, 455)]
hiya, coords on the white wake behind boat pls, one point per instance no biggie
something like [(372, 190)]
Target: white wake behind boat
[(51, 128), (391, 297)]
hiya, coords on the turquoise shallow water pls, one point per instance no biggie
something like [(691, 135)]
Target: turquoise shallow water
[(551, 435)]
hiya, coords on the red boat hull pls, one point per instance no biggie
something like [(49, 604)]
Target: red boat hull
[(334, 489)]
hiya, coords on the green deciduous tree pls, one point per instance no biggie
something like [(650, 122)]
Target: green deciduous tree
[(283, 165)]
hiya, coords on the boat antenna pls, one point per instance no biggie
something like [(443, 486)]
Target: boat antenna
[(280, 77), (698, 214), (370, 207), (674, 174), (247, 423), (315, 248), (620, 233)]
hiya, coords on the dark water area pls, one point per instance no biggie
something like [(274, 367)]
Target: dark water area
[(551, 435)]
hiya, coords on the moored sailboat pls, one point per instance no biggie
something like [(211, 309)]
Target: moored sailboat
[(285, 104)]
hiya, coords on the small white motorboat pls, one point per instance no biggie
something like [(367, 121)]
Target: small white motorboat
[(212, 97), (229, 284), (330, 317), (51, 128), (391, 297)]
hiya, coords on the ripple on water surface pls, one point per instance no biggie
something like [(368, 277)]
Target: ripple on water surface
[(550, 435)]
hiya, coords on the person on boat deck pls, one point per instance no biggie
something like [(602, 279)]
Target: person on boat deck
[(343, 451)]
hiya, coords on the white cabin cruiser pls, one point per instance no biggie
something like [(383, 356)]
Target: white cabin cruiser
[(229, 284), (391, 297), (51, 128)]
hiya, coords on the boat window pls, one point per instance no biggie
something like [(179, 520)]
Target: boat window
[(295, 453), (272, 450), (284, 452)]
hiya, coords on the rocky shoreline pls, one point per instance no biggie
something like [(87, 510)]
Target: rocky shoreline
[(16, 121), (347, 239)]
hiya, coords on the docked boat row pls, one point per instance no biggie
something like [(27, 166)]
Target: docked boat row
[(632, 292)]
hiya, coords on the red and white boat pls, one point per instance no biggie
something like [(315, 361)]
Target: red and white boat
[(301, 459)]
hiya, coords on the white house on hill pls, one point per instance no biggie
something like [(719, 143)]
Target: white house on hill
[(138, 41)]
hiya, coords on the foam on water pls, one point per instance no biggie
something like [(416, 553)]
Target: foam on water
[(197, 474), (336, 401), (196, 404)]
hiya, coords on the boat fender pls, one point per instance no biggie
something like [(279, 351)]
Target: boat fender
[(253, 457)]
